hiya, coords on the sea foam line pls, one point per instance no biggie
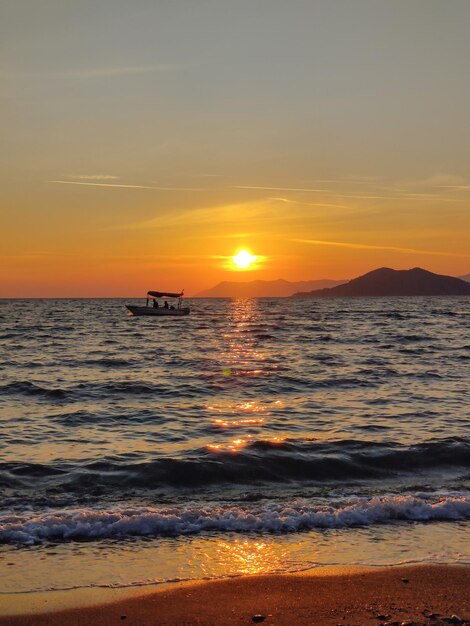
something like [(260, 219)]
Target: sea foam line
[(121, 522)]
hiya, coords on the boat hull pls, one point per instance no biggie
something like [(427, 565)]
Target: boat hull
[(154, 312)]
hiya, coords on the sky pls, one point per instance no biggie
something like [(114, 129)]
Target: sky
[(145, 143)]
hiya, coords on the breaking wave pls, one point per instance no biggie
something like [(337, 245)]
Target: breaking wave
[(300, 515), (259, 461)]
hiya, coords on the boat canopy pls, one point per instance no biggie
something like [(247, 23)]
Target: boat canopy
[(164, 294)]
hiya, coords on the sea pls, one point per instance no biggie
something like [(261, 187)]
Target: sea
[(254, 436)]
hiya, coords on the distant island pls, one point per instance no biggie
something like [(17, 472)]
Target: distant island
[(264, 288), (466, 278), (389, 282)]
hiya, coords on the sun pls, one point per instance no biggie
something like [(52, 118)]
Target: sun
[(243, 259)]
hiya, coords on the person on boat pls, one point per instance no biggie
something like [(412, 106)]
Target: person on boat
[(155, 304), (165, 306)]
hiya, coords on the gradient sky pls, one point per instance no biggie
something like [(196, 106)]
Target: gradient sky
[(145, 142)]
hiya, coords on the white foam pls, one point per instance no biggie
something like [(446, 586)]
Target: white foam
[(270, 517)]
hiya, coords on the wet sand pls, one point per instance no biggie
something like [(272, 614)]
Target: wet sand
[(395, 595)]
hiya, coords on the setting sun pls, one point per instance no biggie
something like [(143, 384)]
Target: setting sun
[(243, 259)]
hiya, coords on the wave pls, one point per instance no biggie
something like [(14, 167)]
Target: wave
[(85, 390), (412, 338), (105, 362), (214, 380), (80, 418), (299, 515), (243, 462), (32, 389)]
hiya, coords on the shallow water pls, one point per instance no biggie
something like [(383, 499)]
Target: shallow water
[(312, 427)]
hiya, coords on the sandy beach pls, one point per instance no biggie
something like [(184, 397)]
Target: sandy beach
[(397, 595)]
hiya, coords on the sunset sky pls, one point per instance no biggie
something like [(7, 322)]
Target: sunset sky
[(144, 143)]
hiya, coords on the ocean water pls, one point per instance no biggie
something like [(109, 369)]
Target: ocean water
[(256, 435)]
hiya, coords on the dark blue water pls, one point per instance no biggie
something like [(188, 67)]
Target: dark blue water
[(249, 416)]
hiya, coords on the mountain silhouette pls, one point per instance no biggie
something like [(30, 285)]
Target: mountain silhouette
[(466, 278), (388, 282), (264, 288)]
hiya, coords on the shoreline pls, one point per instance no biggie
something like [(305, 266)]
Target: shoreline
[(332, 595), (51, 600)]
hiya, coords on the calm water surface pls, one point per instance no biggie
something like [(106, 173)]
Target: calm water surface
[(255, 435)]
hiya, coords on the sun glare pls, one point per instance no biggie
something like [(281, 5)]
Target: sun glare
[(243, 259)]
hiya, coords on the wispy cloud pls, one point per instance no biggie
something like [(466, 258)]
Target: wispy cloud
[(231, 216), (441, 179), (363, 246), (315, 204), (92, 177), (267, 215), (458, 187), (76, 182), (375, 182), (365, 196), (314, 190), (433, 196), (381, 192), (280, 188)]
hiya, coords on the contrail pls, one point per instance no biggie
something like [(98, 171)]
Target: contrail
[(363, 246), (74, 182)]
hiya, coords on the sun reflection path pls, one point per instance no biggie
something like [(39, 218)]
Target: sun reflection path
[(241, 340), (232, 446), (236, 445), (251, 406), (249, 557), (237, 423), (241, 356)]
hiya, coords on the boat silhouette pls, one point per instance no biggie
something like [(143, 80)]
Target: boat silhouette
[(175, 309)]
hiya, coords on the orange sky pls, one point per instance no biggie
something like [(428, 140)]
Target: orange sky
[(144, 146), (83, 254)]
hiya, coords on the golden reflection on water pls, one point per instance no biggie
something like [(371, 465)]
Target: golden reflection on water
[(251, 406), (249, 556), (235, 445), (241, 357), (237, 423), (242, 351), (232, 446)]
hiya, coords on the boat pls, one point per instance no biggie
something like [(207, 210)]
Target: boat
[(174, 309)]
